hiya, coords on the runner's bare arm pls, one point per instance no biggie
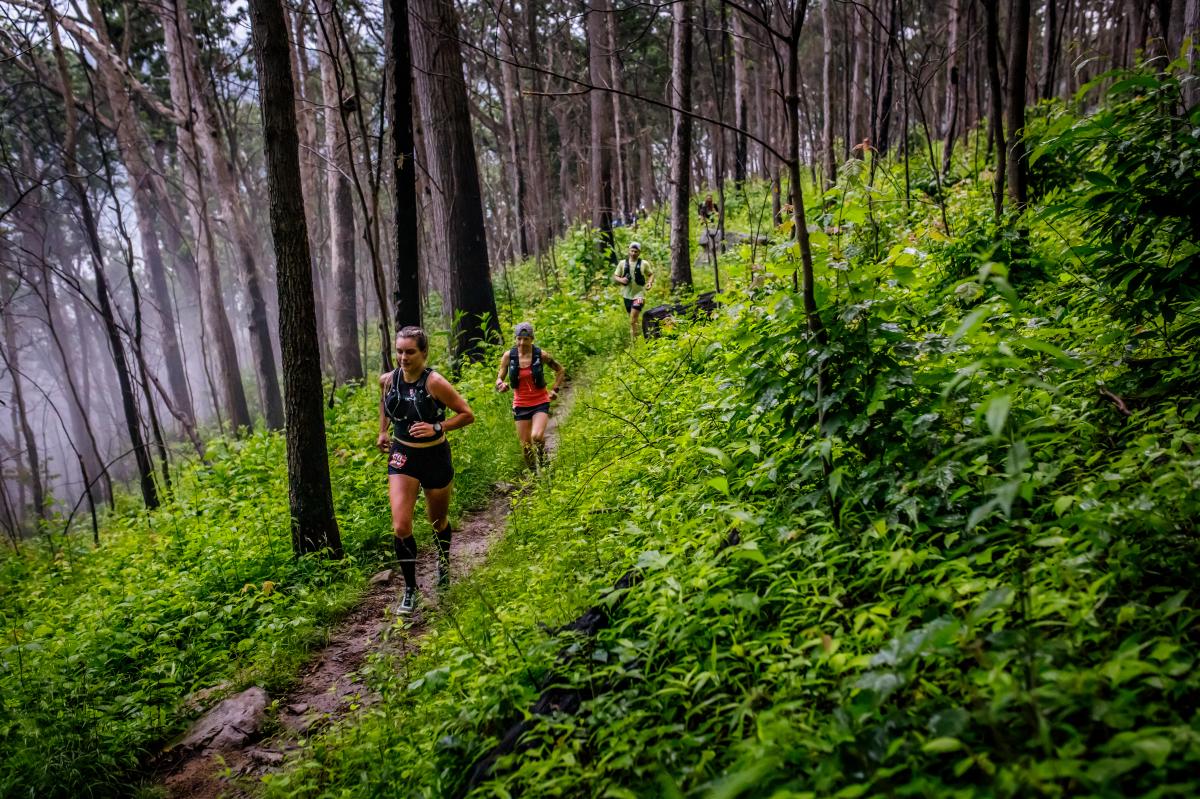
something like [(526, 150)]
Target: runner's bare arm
[(383, 440), (559, 372), (501, 383), (440, 388)]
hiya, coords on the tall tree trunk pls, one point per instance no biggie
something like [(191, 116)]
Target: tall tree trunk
[(35, 241), (1191, 31), (621, 181), (215, 320), (306, 118), (347, 361), (458, 202), (510, 83), (883, 110), (649, 190), (1050, 47), (859, 82), (310, 497), (996, 117), (681, 145), (1018, 60), (827, 97), (406, 296), (12, 361), (180, 37), (741, 100), (600, 195), (799, 219), (133, 146), (70, 167), (950, 115), (543, 223)]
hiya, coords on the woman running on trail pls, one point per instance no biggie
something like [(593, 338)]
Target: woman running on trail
[(522, 370), (415, 398)]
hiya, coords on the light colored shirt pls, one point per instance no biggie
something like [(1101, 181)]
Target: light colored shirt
[(631, 290)]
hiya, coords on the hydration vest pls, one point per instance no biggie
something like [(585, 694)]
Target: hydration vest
[(514, 368), (637, 275), (405, 403)]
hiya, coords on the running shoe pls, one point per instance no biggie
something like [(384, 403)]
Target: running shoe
[(408, 602)]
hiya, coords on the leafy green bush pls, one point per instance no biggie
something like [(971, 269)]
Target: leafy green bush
[(1138, 209)]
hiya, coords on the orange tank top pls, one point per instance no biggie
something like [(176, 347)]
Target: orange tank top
[(526, 394)]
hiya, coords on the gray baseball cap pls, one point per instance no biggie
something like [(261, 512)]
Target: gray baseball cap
[(633, 245), (524, 329)]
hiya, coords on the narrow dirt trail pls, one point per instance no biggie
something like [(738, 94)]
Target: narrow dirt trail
[(230, 747)]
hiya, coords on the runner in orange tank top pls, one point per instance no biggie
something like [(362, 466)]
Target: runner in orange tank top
[(523, 370)]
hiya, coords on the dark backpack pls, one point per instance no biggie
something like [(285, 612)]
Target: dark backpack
[(514, 368), (637, 275)]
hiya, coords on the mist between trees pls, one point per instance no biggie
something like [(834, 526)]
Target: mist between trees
[(138, 267)]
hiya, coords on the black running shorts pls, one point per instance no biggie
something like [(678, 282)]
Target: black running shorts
[(635, 303), (430, 466), (525, 414)]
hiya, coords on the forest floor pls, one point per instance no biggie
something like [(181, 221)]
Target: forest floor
[(227, 751)]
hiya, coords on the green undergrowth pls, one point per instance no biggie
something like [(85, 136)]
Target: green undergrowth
[(945, 548), (107, 653)]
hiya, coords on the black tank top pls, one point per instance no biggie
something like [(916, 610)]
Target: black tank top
[(405, 403)]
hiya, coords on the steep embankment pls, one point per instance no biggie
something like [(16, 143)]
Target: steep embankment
[(957, 565), (946, 549)]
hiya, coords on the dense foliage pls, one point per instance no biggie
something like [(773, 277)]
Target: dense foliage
[(947, 553), (108, 653)]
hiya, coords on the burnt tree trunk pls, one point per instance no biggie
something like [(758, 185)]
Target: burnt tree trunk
[(1018, 60), (406, 296), (310, 497), (600, 195), (996, 116), (454, 175), (681, 145), (950, 115)]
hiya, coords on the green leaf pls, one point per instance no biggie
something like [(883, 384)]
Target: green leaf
[(969, 323), (1154, 749), (1062, 359), (997, 412), (750, 551), (943, 744), (720, 483)]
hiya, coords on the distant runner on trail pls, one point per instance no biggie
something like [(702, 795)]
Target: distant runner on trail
[(414, 398), (523, 370), (635, 276)]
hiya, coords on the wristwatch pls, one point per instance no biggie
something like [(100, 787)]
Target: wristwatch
[(437, 427)]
